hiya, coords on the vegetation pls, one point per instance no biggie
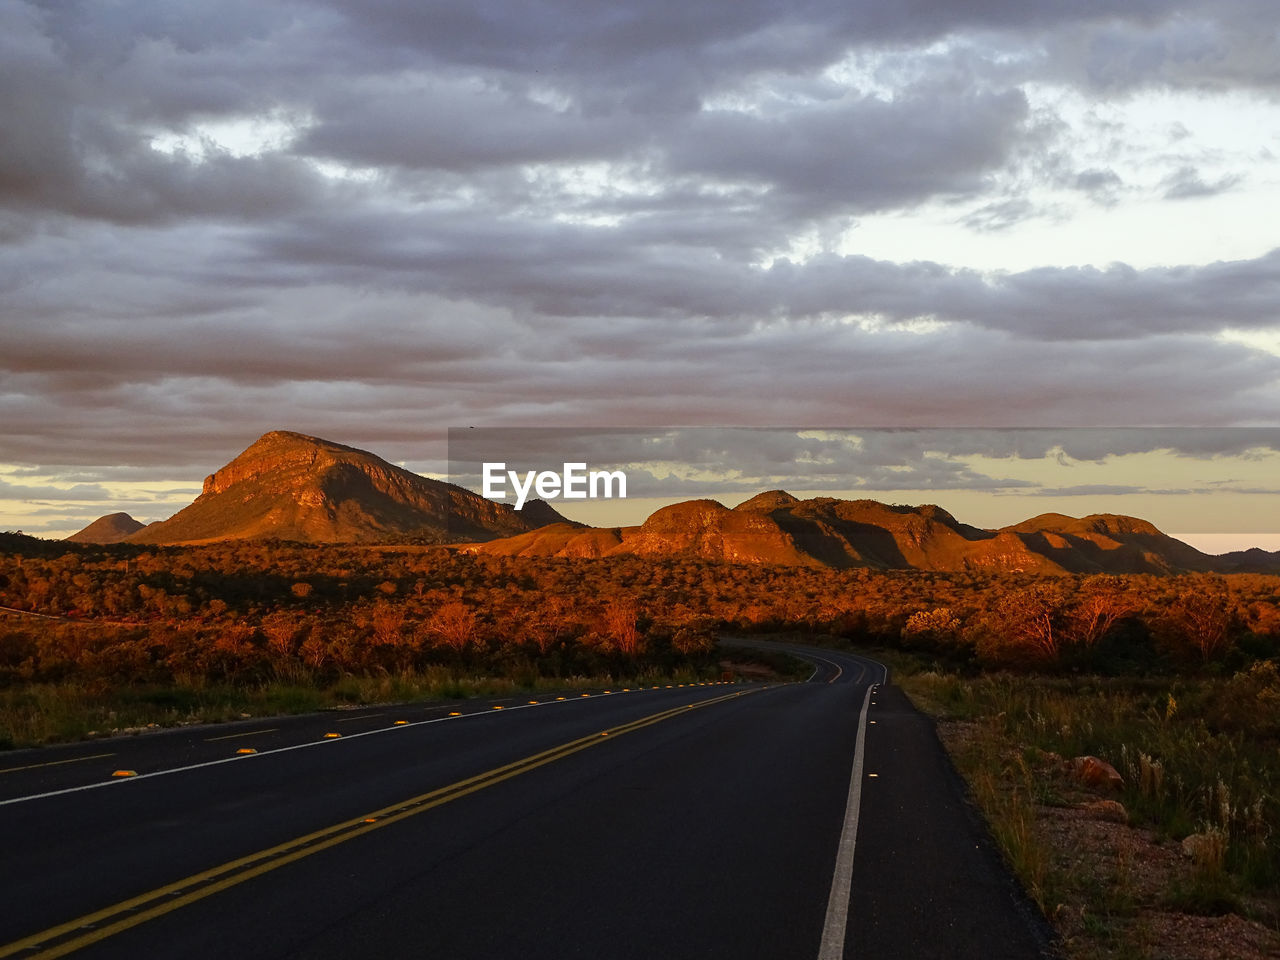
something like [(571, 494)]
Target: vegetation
[(1198, 758), (1173, 679), (248, 611)]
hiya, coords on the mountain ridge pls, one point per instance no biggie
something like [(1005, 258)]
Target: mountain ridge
[(775, 527), (293, 486)]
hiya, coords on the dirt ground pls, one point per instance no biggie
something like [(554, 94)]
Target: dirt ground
[(1111, 883)]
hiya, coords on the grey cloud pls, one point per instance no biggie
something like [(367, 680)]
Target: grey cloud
[(1096, 490), (656, 41), (1000, 215), (1207, 45), (459, 125), (864, 153), (164, 309), (567, 270), (1186, 183), (849, 376), (17, 491), (171, 65), (1102, 185), (1052, 304)]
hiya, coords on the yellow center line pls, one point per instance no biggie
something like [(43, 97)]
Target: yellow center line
[(363, 716), (147, 906), (54, 763), (236, 736)]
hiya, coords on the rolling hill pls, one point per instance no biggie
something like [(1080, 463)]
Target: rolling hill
[(775, 527), (112, 528)]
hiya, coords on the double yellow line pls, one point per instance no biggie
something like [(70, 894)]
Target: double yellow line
[(92, 927)]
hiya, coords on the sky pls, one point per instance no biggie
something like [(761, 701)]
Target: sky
[(374, 221)]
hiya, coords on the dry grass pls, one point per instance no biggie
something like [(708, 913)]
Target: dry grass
[(1123, 889), (43, 713)]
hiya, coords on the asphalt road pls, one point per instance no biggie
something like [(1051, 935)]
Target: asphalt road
[(807, 820)]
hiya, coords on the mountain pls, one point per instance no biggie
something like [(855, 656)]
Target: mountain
[(112, 528), (1253, 560), (775, 527), (1106, 541), (291, 486)]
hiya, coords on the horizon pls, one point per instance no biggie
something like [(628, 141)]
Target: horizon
[(986, 478)]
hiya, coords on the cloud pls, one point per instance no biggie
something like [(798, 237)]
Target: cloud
[(1186, 183), (81, 491), (1101, 185), (372, 221), (862, 153)]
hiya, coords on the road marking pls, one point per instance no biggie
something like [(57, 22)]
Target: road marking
[(305, 745), (93, 927), (54, 763), (237, 736), (833, 929), (363, 716)]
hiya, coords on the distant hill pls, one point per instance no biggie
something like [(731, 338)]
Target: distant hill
[(291, 486), (112, 528), (1111, 543), (1253, 560), (775, 527)]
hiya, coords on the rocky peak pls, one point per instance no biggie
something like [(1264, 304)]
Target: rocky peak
[(281, 450), (293, 486), (769, 500)]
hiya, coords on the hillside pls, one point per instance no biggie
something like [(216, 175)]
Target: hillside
[(291, 486), (775, 527), (1106, 541), (112, 528)]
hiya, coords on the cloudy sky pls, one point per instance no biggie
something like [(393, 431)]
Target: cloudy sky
[(373, 221)]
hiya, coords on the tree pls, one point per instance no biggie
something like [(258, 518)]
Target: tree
[(1095, 609), (455, 624), (1201, 618), (620, 624), (931, 628), (1025, 627)]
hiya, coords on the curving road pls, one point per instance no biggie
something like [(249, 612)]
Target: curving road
[(807, 820)]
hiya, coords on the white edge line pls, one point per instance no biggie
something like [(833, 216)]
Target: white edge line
[(833, 929), (297, 746), (830, 663)]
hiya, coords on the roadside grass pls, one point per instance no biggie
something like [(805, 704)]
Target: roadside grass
[(44, 713), (1196, 759)]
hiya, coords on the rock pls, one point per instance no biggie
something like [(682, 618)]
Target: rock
[(1096, 773), (1111, 811), (1204, 847)]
